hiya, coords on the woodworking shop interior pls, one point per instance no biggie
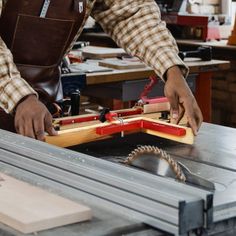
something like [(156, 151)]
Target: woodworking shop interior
[(118, 118)]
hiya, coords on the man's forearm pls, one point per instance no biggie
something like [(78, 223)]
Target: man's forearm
[(12, 87), (136, 26)]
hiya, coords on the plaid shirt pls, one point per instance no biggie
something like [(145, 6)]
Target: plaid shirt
[(134, 25)]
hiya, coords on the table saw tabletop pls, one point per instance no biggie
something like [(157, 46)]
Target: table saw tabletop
[(213, 156)]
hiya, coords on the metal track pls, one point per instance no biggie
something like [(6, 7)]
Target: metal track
[(163, 203)]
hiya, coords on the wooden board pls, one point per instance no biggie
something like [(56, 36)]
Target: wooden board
[(30, 209), (121, 64), (87, 133), (102, 52)]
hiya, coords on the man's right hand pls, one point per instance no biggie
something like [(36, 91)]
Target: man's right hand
[(182, 100), (32, 119)]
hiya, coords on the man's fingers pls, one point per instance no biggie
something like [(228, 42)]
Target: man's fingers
[(193, 125), (174, 109), (25, 128), (39, 129), (48, 125), (180, 96), (194, 115), (20, 129), (187, 105), (40, 135), (199, 116), (32, 118), (198, 121), (29, 131), (181, 113)]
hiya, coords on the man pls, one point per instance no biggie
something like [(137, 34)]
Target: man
[(135, 25)]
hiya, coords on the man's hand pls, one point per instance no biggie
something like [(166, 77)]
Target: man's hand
[(182, 100), (32, 119)]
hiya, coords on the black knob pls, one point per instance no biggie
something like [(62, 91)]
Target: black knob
[(75, 103)]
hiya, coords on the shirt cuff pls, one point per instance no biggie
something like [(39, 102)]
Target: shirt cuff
[(168, 59), (13, 92)]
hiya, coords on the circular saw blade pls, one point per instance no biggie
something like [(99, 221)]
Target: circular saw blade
[(156, 161)]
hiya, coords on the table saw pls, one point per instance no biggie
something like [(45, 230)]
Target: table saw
[(133, 200)]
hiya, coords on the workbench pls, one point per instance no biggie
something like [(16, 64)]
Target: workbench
[(202, 70), (212, 156)]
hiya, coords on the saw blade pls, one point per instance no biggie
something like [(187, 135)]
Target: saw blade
[(165, 165), (157, 161)]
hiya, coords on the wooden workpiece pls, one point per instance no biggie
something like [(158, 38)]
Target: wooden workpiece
[(29, 209), (86, 131)]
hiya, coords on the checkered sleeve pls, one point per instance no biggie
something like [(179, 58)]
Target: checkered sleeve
[(12, 87), (135, 25)]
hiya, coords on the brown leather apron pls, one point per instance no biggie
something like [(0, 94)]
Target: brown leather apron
[(38, 42)]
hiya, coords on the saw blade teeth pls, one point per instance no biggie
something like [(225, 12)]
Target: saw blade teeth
[(160, 153)]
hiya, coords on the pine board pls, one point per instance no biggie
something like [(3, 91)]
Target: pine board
[(121, 64), (102, 52), (29, 209)]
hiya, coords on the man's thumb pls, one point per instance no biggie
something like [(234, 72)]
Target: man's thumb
[(174, 110)]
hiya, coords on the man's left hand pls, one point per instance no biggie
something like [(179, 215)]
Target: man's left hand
[(32, 119)]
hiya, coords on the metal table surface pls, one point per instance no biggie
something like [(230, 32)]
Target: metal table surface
[(212, 156), (105, 220), (214, 146)]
